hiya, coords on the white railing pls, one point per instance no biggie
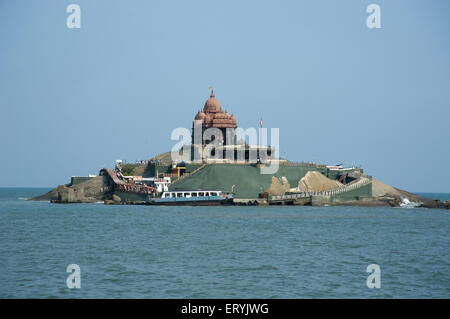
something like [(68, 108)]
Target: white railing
[(335, 191)]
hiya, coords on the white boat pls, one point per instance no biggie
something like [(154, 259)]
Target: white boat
[(193, 198)]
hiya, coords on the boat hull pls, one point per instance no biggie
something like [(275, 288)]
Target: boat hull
[(192, 203), (206, 201)]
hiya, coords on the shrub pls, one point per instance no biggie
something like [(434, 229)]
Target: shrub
[(128, 169)]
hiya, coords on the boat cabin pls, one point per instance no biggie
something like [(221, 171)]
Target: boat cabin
[(191, 194)]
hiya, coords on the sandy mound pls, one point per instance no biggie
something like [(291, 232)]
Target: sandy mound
[(380, 189), (285, 182), (316, 182), (277, 187)]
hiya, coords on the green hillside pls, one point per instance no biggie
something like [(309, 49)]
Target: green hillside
[(248, 180)]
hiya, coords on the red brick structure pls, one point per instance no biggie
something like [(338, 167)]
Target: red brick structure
[(212, 116)]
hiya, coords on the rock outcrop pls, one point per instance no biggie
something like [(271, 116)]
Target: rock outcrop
[(436, 203), (277, 187), (92, 190), (316, 182), (285, 182), (393, 195)]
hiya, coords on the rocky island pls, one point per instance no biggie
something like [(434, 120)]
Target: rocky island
[(238, 171)]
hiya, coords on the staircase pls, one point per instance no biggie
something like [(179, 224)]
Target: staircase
[(360, 182)]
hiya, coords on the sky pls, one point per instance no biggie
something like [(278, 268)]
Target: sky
[(72, 101)]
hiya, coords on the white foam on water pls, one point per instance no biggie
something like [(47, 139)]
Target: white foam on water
[(406, 203)]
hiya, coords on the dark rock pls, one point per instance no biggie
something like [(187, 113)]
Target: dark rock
[(433, 203), (67, 195), (89, 191), (116, 198), (50, 196), (394, 202)]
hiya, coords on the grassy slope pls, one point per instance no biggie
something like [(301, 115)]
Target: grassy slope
[(248, 180)]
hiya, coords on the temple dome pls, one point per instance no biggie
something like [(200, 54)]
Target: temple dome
[(221, 115), (212, 104), (213, 116), (209, 117), (200, 116)]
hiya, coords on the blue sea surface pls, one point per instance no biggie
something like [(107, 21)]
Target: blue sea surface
[(220, 252)]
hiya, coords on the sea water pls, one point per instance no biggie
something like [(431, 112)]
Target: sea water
[(220, 252)]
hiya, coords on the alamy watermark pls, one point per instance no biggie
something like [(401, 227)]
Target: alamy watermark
[(74, 279), (227, 145), (374, 279), (373, 21), (73, 21)]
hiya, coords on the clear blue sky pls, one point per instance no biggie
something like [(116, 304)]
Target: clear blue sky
[(75, 100)]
